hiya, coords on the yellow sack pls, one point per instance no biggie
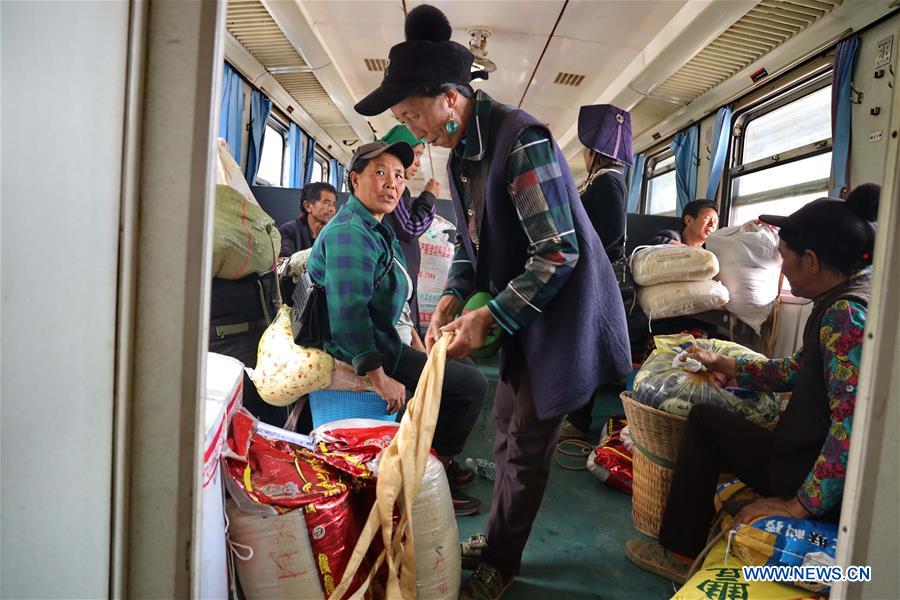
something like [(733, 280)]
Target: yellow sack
[(721, 579), (400, 471), (285, 371)]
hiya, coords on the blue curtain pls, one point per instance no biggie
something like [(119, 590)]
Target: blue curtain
[(634, 189), (337, 174), (310, 159), (684, 146), (296, 139), (841, 78), (721, 134), (260, 107), (231, 110)]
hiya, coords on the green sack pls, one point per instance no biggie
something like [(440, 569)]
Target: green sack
[(245, 239)]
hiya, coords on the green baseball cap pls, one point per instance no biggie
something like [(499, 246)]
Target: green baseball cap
[(401, 133)]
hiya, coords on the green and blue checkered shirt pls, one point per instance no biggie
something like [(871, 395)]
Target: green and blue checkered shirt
[(351, 253), (538, 190)]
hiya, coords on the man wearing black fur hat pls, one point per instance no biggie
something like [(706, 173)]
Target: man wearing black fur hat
[(525, 238)]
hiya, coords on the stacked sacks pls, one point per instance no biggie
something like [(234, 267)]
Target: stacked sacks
[(665, 383), (676, 280)]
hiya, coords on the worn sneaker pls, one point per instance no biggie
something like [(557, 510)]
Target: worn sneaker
[(471, 550), (570, 431), (458, 476), (486, 583), (463, 505), (652, 557)]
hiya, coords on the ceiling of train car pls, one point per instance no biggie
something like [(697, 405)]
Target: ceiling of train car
[(538, 46)]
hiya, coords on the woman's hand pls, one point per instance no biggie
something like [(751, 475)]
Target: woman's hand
[(471, 331), (433, 186), (446, 310), (771, 507), (416, 343), (714, 362), (393, 392)]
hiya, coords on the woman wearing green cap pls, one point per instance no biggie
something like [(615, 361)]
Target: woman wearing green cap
[(412, 217)]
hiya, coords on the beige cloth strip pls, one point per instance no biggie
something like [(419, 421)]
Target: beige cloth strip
[(400, 471)]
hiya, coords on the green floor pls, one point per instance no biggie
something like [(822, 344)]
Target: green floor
[(576, 548)]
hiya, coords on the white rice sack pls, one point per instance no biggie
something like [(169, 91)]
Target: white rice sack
[(437, 254), (681, 298), (651, 265), (750, 269)]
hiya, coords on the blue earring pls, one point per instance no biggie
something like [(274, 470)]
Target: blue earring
[(451, 126)]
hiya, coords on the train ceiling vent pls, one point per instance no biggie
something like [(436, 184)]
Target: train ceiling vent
[(765, 27), (376, 64), (255, 29), (570, 79)]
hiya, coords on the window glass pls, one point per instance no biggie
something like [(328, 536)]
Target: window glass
[(788, 174), (271, 163), (797, 124), (781, 206), (661, 194), (316, 171)]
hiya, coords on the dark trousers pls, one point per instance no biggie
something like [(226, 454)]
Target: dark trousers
[(462, 395), (583, 417), (719, 441), (523, 451)]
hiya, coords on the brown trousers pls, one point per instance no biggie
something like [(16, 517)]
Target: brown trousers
[(523, 451)]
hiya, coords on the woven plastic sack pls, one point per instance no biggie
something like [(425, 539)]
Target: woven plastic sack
[(285, 371), (274, 558), (651, 265), (673, 389), (245, 239), (750, 268), (683, 298), (721, 577)]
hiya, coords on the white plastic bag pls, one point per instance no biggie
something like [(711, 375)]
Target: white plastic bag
[(651, 265), (750, 269), (437, 254), (681, 298)]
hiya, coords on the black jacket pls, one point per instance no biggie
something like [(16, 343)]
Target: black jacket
[(295, 236), (606, 203)]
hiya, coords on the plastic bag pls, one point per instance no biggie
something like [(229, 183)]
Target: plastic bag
[(661, 385), (611, 461), (285, 371), (750, 269), (652, 265), (437, 254), (245, 239), (683, 298)]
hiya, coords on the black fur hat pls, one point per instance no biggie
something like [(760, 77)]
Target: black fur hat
[(427, 56)]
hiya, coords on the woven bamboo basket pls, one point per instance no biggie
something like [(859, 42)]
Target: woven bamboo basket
[(657, 432), (650, 490)]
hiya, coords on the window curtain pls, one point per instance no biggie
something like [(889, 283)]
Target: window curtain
[(684, 146), (634, 189), (337, 174), (296, 139), (310, 159), (721, 134), (841, 101), (231, 110), (260, 107)]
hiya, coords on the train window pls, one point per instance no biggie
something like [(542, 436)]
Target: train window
[(784, 154), (271, 163), (320, 169), (661, 195)]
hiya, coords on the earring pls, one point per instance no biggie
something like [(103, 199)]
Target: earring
[(451, 126)]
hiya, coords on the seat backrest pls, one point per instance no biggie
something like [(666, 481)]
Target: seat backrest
[(282, 204), (642, 228)]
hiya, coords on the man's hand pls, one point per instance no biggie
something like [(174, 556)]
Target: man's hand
[(771, 507), (393, 392), (446, 310), (471, 331), (433, 186)]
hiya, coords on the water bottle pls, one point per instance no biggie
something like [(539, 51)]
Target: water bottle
[(482, 467)]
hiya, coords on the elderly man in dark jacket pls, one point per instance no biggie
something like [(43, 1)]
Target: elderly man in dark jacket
[(318, 203)]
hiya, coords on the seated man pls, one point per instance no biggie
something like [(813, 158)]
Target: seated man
[(700, 219), (799, 466), (318, 203)]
